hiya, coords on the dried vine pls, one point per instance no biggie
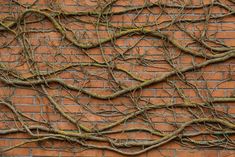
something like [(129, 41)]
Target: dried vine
[(192, 121)]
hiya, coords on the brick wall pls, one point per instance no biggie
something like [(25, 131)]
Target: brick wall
[(157, 80)]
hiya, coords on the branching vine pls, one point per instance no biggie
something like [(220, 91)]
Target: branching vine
[(110, 79)]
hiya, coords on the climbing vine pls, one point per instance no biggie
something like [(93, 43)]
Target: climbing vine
[(113, 72)]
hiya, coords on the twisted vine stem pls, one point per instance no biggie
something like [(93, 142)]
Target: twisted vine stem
[(203, 114)]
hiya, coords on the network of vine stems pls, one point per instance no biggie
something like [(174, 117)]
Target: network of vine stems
[(215, 127)]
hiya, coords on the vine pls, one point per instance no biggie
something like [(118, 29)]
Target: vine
[(86, 59)]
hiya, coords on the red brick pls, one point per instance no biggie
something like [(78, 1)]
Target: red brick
[(226, 153), (17, 152), (197, 153), (161, 153)]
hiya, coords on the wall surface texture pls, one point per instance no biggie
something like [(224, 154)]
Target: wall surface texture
[(114, 78)]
